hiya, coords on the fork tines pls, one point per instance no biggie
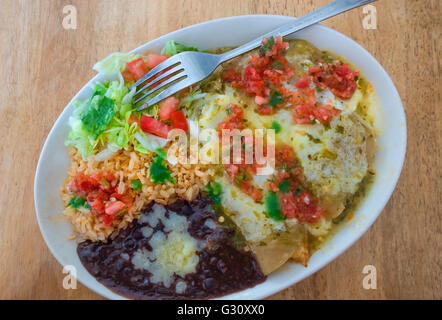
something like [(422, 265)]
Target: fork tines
[(163, 75)]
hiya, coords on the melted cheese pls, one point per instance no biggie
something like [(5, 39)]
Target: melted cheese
[(174, 251), (333, 159), (248, 215)]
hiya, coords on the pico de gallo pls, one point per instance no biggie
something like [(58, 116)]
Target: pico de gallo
[(289, 196), (268, 75), (241, 174), (99, 194)]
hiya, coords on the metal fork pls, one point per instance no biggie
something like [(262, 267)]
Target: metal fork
[(184, 69)]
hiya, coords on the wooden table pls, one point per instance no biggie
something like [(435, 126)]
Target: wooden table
[(43, 66)]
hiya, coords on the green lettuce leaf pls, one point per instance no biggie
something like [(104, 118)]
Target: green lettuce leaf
[(116, 91), (172, 47), (98, 114), (114, 63), (80, 139)]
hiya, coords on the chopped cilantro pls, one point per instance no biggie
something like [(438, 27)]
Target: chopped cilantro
[(277, 65), (328, 59), (161, 153), (215, 190), (284, 186), (276, 126), (275, 98), (136, 185), (229, 111), (239, 179), (77, 202), (267, 46), (298, 191), (158, 170), (273, 206)]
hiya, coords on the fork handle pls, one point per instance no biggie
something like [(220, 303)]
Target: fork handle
[(329, 10)]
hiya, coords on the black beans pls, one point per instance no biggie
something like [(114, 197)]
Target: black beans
[(209, 284), (222, 268)]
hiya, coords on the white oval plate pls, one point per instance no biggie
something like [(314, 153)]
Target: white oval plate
[(54, 161)]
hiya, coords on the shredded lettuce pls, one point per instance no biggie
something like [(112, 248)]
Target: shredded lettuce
[(80, 139), (150, 142), (100, 125), (188, 102), (107, 153), (98, 113), (114, 63), (172, 47), (128, 98), (117, 91)]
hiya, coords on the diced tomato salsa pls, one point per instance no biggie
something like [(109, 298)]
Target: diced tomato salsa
[(267, 72), (336, 76), (101, 193), (234, 119), (240, 174), (307, 109), (288, 183)]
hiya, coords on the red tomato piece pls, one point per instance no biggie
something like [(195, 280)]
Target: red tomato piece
[(231, 75), (114, 207), (133, 119), (266, 110), (137, 67), (107, 220), (123, 198), (261, 100), (97, 206), (128, 76), (304, 82), (303, 114), (251, 190), (167, 107), (325, 113), (151, 125), (155, 59), (179, 120)]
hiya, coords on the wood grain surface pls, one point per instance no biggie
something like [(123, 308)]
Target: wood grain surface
[(43, 66)]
